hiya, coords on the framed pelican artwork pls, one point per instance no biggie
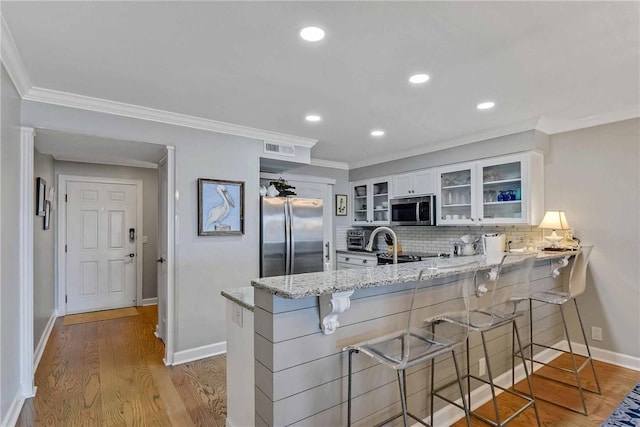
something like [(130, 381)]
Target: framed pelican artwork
[(220, 207)]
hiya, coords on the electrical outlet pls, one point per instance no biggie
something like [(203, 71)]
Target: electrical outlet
[(482, 366), (596, 333)]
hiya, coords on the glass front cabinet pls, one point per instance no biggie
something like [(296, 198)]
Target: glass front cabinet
[(370, 202), (502, 190)]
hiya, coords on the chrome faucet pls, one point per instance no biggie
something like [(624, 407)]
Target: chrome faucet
[(375, 232)]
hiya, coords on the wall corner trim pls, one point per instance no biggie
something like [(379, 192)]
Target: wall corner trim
[(198, 353), (329, 164), (37, 355), (100, 105), (11, 418), (13, 61)]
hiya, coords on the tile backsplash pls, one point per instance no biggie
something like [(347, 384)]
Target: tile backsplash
[(441, 239)]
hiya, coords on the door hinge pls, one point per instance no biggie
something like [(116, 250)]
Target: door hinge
[(65, 299), (65, 248), (66, 198)]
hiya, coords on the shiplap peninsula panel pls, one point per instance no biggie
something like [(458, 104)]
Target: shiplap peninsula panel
[(301, 374)]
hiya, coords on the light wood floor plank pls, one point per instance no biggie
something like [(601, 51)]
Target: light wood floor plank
[(111, 373)]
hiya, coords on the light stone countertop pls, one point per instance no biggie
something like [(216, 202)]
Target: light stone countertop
[(242, 296), (328, 282)]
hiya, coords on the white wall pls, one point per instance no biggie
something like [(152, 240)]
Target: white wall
[(149, 179), (9, 233), (43, 253), (593, 174)]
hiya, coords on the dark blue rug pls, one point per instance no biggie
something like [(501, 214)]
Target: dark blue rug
[(627, 413)]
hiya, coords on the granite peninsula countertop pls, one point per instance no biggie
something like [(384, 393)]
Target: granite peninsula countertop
[(328, 282), (242, 296)]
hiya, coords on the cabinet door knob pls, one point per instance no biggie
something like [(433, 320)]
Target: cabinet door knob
[(473, 219), (364, 261), (347, 259), (479, 219)]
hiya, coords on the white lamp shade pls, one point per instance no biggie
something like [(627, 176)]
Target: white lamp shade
[(555, 220)]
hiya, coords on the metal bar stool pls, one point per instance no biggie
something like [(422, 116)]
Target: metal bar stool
[(496, 307), (419, 342), (576, 286)]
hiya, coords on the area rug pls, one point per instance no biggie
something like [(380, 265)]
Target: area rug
[(627, 413), (97, 316)]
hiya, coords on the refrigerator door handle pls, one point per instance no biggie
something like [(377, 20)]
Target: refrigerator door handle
[(287, 239), (292, 240)]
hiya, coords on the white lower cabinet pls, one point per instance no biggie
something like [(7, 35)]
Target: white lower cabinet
[(349, 260)]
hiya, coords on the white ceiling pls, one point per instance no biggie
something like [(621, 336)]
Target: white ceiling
[(243, 63), (93, 149)]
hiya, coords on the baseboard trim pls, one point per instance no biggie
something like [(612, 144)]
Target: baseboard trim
[(611, 357), (150, 301), (13, 413), (44, 339), (450, 414), (198, 353)]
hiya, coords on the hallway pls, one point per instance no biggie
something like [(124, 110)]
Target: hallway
[(111, 373)]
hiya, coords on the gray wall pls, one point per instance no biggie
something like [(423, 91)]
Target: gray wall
[(43, 253), (523, 141), (9, 232), (205, 265), (340, 187), (149, 179), (593, 175)]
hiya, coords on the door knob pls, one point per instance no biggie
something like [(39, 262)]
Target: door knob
[(160, 260)]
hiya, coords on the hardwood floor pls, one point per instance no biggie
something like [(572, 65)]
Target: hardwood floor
[(111, 373), (615, 383)]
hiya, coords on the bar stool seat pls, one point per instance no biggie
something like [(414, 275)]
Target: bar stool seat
[(413, 345)]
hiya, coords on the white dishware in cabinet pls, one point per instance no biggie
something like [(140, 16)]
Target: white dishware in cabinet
[(455, 196), (501, 190), (370, 202)]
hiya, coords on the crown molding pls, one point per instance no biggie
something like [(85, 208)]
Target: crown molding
[(451, 143), (329, 164), (10, 56), (65, 99), (552, 126), (113, 162)]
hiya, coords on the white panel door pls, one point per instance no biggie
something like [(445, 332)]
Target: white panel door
[(101, 264)]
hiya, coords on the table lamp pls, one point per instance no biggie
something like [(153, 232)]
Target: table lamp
[(554, 220)]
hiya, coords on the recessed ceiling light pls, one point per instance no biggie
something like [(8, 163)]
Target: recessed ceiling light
[(377, 132), (312, 34), (486, 105), (313, 118), (419, 78)]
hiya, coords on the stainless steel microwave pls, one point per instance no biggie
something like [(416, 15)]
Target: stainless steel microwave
[(413, 211)]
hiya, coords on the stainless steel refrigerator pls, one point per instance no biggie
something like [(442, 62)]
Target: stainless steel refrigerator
[(291, 236)]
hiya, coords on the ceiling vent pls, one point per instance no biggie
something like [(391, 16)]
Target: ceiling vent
[(279, 149)]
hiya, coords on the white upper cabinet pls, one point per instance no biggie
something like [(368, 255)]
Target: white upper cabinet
[(502, 190), (414, 183), (370, 201), (455, 194)]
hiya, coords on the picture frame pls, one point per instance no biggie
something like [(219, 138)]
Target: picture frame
[(220, 207), (341, 205), (41, 196), (47, 215)]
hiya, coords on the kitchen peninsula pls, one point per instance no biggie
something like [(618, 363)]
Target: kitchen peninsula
[(302, 322)]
